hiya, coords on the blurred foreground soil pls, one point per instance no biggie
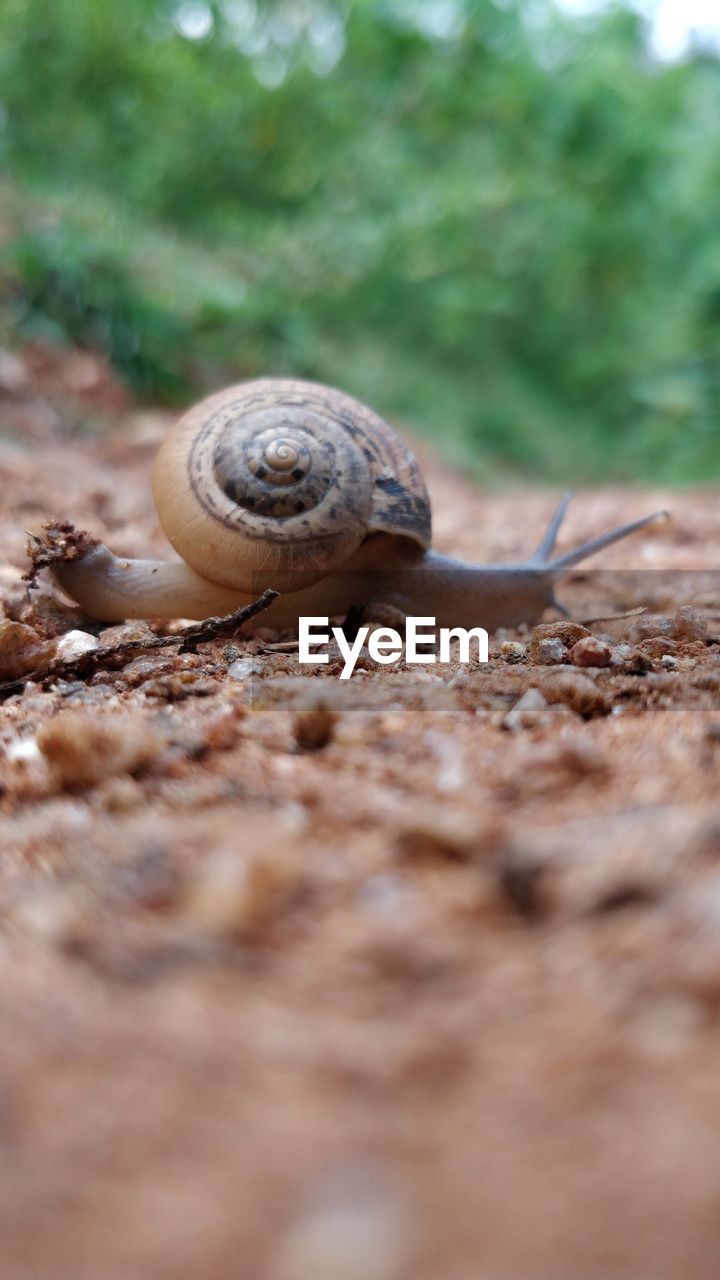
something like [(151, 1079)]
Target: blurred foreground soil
[(413, 978)]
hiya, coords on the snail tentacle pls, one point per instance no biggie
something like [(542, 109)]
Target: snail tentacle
[(549, 538), (589, 548)]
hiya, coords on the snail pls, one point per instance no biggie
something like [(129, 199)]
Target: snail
[(296, 486)]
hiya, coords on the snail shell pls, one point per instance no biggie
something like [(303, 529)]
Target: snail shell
[(278, 481)]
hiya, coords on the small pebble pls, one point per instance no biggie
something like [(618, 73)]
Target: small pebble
[(513, 650), (220, 730), (244, 669), (23, 749), (22, 651), (565, 632), (46, 614), (74, 644), (549, 652), (668, 662), (83, 748), (665, 1027), (590, 652), (529, 710), (314, 725), (121, 794), (631, 659), (240, 896), (126, 633), (342, 1242), (690, 623), (178, 685), (445, 835), (656, 647), (579, 755), (657, 625), (54, 917), (577, 691)]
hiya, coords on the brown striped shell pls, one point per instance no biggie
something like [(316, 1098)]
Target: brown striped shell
[(276, 482)]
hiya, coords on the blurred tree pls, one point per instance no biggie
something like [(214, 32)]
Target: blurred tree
[(484, 217)]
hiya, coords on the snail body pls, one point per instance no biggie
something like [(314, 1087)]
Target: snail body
[(295, 486)]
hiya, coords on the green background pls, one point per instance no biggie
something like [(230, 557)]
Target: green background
[(490, 221)]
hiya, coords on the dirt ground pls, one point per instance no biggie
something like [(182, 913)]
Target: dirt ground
[(413, 978)]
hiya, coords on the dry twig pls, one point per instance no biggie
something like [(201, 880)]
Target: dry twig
[(185, 640)]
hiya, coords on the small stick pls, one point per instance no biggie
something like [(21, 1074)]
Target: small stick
[(187, 638), (226, 624), (612, 617), (279, 646)]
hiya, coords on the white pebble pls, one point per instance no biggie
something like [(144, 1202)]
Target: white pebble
[(529, 710), (551, 650), (243, 669), (74, 644), (348, 1242), (665, 1028), (24, 749)]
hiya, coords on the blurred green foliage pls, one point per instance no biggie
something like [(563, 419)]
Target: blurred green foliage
[(484, 218)]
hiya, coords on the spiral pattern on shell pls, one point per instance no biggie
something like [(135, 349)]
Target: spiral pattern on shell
[(275, 482)]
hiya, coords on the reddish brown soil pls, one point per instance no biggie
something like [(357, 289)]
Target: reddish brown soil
[(366, 982)]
